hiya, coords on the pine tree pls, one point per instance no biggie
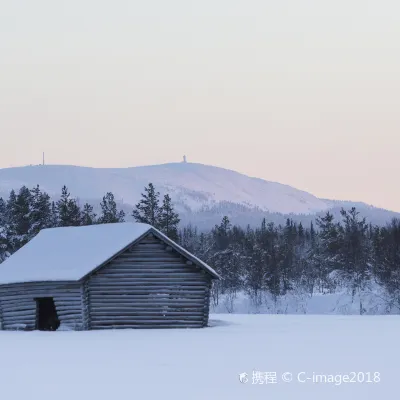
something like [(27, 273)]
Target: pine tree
[(88, 217), (68, 211), (4, 245), (40, 215), (354, 253), (148, 210), (109, 212), (169, 219), (18, 218), (387, 259), (53, 215)]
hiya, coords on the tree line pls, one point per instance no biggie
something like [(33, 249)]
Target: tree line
[(327, 256), (28, 211)]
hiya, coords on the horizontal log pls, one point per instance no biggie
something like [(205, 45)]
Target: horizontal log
[(148, 281), (43, 288), (155, 309), (132, 264), (155, 294), (145, 243), (18, 306), (76, 311), (145, 319), (158, 302), (19, 320), (145, 304), (157, 250), (66, 306), (75, 314), (33, 295), (100, 291), (27, 328), (150, 269), (149, 293), (70, 321), (119, 280), (39, 285), (18, 299), (112, 314), (115, 294), (132, 261), (159, 310), (11, 321), (103, 292), (6, 313), (146, 270), (133, 300), (144, 326), (141, 258)]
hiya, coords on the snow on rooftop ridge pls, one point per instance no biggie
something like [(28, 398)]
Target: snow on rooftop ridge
[(48, 256)]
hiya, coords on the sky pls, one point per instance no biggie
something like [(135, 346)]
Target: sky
[(305, 93)]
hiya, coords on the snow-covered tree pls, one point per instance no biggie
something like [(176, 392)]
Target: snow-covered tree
[(386, 242), (4, 245), (169, 219), (68, 211), (88, 217), (355, 252), (109, 212), (148, 209), (40, 213), (18, 218)]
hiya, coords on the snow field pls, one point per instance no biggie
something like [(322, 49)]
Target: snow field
[(204, 364)]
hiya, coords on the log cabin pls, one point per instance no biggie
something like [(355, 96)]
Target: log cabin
[(121, 275)]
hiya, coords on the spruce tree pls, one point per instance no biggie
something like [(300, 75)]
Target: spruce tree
[(53, 215), (387, 259), (148, 209), (169, 219), (354, 253), (4, 245), (88, 217), (40, 215), (18, 218), (68, 211), (109, 212)]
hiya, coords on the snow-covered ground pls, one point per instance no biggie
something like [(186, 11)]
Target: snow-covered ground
[(374, 302), (205, 364)]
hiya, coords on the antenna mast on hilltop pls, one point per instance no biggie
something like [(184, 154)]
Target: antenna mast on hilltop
[(43, 158)]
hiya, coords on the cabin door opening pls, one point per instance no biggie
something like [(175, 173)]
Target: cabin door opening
[(46, 314)]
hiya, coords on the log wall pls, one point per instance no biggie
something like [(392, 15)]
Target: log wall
[(18, 305), (149, 286)]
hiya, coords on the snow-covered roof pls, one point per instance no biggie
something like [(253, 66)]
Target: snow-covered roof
[(71, 253)]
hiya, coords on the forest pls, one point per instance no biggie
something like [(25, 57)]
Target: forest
[(349, 254)]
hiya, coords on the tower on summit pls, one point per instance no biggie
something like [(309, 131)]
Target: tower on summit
[(184, 159)]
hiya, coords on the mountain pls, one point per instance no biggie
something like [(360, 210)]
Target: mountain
[(202, 193)]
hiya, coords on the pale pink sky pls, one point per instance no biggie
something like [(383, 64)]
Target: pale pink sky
[(300, 92)]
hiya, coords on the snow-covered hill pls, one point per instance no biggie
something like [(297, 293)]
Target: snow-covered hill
[(195, 185), (200, 192)]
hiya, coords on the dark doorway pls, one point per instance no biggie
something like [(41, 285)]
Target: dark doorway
[(46, 314)]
